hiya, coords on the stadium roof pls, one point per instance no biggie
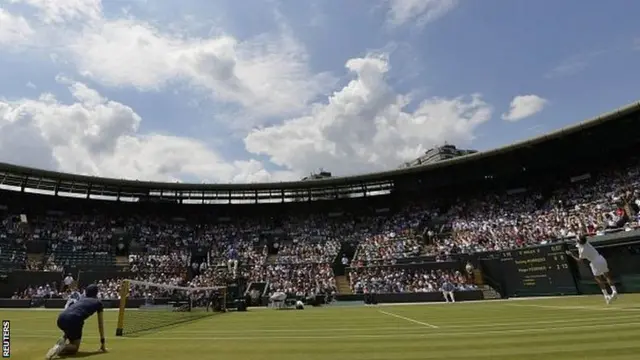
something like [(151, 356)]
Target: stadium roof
[(26, 177)]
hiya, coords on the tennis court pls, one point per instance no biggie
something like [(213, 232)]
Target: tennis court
[(561, 328)]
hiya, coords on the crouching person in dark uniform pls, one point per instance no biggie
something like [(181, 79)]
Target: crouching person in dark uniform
[(71, 322)]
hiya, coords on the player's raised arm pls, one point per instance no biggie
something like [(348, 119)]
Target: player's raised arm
[(572, 255)]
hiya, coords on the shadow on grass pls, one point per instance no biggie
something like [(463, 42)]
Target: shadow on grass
[(82, 354)]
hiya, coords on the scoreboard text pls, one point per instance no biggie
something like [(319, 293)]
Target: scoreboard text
[(542, 270)]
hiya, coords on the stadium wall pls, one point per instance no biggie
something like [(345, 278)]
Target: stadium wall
[(471, 295), (60, 303), (20, 279)]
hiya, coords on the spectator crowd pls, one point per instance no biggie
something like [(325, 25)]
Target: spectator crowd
[(302, 262), (382, 279)]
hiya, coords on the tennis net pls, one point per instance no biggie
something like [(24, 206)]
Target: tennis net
[(146, 306)]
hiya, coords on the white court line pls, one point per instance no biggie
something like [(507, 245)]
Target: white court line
[(486, 302), (409, 319), (595, 307), (355, 336)]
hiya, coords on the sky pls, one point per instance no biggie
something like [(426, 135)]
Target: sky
[(244, 91)]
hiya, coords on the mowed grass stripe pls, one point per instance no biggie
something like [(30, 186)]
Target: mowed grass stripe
[(453, 320), (506, 345), (297, 328), (561, 351), (219, 325), (552, 348), (461, 352), (409, 327), (210, 327), (425, 333), (577, 308), (335, 316), (313, 328), (214, 329)]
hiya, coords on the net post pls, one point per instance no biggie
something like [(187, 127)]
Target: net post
[(124, 294), (224, 298)]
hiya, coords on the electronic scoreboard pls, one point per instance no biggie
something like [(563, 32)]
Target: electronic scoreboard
[(537, 271)]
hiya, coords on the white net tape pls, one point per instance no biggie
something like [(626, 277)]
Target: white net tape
[(172, 287)]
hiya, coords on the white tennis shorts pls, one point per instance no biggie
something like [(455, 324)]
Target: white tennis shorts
[(448, 295), (599, 267), (279, 296)]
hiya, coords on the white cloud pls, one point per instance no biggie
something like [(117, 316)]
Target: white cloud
[(267, 75), (14, 30), (421, 12), (365, 126), (60, 11), (96, 136), (524, 106), (362, 127)]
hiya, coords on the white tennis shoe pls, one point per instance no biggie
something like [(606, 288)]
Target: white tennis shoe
[(56, 349)]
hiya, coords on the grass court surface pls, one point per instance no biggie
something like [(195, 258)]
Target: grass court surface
[(560, 328)]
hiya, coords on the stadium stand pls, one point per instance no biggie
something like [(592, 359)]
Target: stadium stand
[(393, 280), (12, 256), (380, 223), (75, 255)]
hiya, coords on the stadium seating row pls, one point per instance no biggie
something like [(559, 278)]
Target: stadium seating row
[(301, 260)]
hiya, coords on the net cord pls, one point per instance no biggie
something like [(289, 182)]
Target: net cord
[(165, 286)]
